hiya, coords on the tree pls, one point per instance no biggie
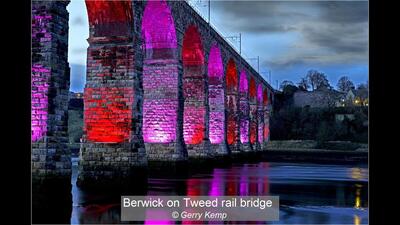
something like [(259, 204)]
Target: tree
[(363, 86), (345, 84), (289, 90), (303, 84), (317, 80), (285, 83)]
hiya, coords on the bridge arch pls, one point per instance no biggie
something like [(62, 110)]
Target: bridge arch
[(110, 18), (158, 30), (253, 110), (108, 112), (216, 95), (231, 102), (260, 113), (193, 86), (265, 97), (244, 107), (160, 74), (266, 114)]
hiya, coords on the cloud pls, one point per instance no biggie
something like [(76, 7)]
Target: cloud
[(326, 32), (343, 11), (259, 16)]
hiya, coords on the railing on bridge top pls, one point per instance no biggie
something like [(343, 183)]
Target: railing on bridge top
[(192, 4)]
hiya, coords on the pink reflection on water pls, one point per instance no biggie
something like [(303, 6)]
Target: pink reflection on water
[(217, 184), (244, 181), (154, 213)]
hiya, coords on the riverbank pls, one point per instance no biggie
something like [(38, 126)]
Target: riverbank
[(311, 151), (288, 150), (314, 145)]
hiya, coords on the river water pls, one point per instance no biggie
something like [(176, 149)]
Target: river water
[(309, 193)]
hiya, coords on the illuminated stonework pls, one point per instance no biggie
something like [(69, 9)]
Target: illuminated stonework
[(158, 28), (231, 102), (253, 110), (147, 89), (108, 115), (260, 113), (266, 115), (39, 100), (109, 18), (193, 87), (40, 79), (108, 107), (244, 107), (216, 95), (50, 77), (112, 144), (160, 74), (160, 104)]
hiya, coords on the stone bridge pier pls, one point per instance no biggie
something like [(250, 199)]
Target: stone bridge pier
[(50, 74), (162, 85), (49, 92)]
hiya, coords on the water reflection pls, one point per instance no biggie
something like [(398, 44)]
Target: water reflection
[(357, 220), (358, 197), (357, 173), (309, 193)]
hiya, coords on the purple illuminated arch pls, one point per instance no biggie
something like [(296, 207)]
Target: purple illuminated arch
[(253, 109), (216, 95), (215, 66), (259, 94), (158, 26), (160, 74), (243, 84), (244, 107)]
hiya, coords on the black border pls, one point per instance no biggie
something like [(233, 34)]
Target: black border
[(17, 126), (382, 117)]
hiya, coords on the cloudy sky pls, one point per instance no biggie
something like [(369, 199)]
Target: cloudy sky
[(290, 37)]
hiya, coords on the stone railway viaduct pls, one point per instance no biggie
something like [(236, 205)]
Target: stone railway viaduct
[(162, 85)]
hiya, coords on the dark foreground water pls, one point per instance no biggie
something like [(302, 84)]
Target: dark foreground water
[(309, 193)]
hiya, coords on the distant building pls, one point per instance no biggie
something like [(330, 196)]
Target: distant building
[(77, 95), (75, 100), (341, 117), (318, 98), (330, 98), (357, 97)]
